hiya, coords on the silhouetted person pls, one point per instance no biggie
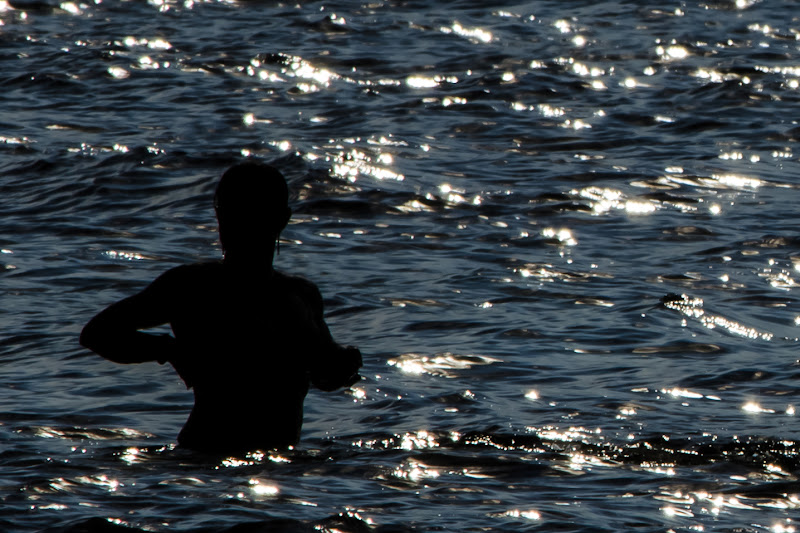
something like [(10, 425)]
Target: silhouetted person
[(247, 338)]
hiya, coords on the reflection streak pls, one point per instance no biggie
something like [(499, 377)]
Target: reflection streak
[(693, 308), (443, 365)]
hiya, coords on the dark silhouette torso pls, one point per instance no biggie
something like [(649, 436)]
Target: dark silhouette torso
[(246, 346)]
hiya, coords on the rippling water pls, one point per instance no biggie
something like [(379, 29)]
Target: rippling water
[(562, 233)]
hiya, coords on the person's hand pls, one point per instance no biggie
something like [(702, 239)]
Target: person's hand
[(353, 358), (340, 369)]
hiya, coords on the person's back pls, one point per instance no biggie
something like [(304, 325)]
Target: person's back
[(247, 339)]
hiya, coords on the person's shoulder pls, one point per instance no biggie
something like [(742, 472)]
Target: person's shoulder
[(200, 268), (295, 282), (188, 273), (300, 286)]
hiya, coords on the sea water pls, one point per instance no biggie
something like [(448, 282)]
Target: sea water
[(562, 233)]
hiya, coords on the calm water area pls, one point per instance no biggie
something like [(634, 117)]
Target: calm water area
[(563, 234)]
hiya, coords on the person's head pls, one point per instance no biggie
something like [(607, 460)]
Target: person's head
[(251, 202)]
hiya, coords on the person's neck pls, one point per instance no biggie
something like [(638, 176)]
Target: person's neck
[(245, 256), (248, 262)]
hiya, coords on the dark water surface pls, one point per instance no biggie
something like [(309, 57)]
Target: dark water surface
[(562, 233)]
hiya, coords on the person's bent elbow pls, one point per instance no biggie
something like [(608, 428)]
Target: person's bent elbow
[(109, 341), (91, 336)]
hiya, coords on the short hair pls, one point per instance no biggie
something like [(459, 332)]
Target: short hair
[(251, 189), (251, 199)]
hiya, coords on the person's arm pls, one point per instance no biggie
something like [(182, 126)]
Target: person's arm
[(332, 365), (338, 369), (114, 333)]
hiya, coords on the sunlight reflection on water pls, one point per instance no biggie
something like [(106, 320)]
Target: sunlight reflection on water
[(445, 365), (495, 203)]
